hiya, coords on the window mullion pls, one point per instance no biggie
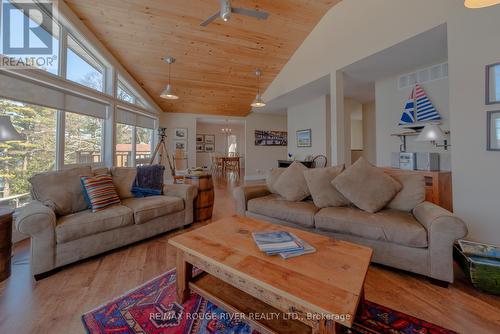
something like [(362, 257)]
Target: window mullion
[(63, 54), (134, 146), (60, 137)]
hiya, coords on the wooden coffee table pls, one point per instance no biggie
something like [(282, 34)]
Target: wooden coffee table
[(314, 293)]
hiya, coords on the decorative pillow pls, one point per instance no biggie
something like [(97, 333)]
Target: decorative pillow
[(322, 191), (273, 176), (123, 179), (366, 186), (412, 194), (100, 192), (292, 184), (61, 190)]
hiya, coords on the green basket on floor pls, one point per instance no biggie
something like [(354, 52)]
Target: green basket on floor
[(481, 265)]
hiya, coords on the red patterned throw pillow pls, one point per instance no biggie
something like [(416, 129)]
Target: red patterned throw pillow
[(100, 192)]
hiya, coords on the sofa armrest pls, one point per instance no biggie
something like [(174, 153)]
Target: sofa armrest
[(35, 218), (185, 191), (245, 193), (39, 222), (443, 228)]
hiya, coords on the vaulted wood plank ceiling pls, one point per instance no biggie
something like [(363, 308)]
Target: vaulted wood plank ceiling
[(214, 72)]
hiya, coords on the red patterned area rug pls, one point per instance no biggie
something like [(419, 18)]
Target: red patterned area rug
[(151, 309)]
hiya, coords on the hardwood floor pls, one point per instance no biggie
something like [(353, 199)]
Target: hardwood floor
[(55, 304)]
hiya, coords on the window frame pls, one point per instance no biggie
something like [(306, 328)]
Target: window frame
[(133, 157)]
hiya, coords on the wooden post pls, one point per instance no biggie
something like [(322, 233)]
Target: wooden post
[(184, 275)]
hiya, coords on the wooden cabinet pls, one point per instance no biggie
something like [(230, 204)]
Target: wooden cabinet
[(438, 185), (5, 242)]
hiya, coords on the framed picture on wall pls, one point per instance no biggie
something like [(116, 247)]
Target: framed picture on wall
[(493, 84), (304, 138), (181, 145), (200, 139), (209, 139), (181, 133), (209, 148), (493, 142), (271, 138), (200, 148)]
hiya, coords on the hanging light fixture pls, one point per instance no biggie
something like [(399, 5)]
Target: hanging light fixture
[(480, 3), (227, 129), (258, 102), (167, 93)]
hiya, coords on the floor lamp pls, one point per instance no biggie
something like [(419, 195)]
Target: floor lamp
[(7, 133)]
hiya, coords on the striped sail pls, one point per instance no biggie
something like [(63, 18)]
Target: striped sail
[(408, 116), (425, 110)]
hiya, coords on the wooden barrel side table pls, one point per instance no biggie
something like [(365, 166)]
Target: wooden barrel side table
[(5, 241), (204, 202)]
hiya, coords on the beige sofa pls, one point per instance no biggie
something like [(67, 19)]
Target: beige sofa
[(63, 230), (420, 241)]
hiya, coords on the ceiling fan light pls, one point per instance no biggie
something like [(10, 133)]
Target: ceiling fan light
[(480, 3), (168, 94), (258, 102)]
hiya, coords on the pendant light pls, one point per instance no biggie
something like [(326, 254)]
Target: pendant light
[(480, 3), (258, 102), (167, 93), (227, 129)]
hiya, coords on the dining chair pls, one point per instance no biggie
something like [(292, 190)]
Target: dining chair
[(319, 161)]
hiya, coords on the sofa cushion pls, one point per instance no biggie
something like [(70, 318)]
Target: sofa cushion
[(387, 225), (101, 171), (149, 208), (123, 178), (412, 193), (322, 191), (366, 186), (85, 223), (100, 192), (300, 213), (61, 190), (292, 184), (273, 176)]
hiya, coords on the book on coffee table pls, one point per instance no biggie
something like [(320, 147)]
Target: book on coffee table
[(306, 249), (276, 242)]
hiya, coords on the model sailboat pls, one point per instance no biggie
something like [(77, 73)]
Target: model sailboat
[(418, 110)]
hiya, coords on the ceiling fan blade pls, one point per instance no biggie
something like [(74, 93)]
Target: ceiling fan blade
[(251, 12), (210, 19)]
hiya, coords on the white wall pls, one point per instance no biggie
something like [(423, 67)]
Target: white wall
[(390, 100), (171, 121), (260, 159), (476, 182), (202, 158), (336, 42), (312, 115)]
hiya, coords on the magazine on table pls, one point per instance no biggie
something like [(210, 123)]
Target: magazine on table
[(276, 242), (284, 243), (306, 249)]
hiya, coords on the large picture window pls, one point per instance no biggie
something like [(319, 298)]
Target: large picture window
[(124, 140), (144, 141), (37, 153), (82, 67), (83, 139)]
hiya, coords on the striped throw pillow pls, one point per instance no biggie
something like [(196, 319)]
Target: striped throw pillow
[(100, 192)]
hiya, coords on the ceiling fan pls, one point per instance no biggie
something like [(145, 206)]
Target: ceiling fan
[(226, 10)]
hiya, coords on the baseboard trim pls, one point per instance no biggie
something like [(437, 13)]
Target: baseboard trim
[(255, 177)]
